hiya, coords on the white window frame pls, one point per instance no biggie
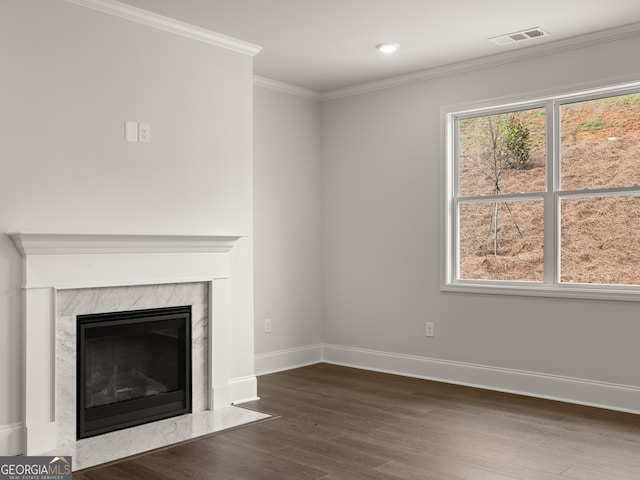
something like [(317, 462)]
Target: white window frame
[(552, 196)]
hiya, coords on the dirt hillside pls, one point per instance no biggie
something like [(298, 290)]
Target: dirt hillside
[(600, 236)]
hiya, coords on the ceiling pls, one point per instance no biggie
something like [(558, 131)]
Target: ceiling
[(330, 44)]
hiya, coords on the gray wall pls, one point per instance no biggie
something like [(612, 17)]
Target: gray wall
[(377, 160), (287, 227), (71, 77), (382, 205)]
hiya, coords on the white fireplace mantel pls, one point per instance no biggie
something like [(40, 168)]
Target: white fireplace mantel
[(85, 260), (54, 261), (63, 243)]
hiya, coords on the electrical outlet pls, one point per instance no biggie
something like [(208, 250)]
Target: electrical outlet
[(267, 325), (429, 329), (144, 133)]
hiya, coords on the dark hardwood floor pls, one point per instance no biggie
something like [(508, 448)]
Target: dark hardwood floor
[(334, 422)]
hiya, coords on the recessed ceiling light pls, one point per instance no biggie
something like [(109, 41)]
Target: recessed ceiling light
[(387, 47)]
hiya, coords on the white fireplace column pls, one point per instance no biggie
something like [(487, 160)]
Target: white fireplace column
[(53, 262)]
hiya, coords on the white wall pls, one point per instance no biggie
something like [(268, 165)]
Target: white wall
[(382, 205), (71, 77), (287, 228)]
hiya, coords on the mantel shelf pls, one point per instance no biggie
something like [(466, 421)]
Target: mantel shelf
[(86, 243)]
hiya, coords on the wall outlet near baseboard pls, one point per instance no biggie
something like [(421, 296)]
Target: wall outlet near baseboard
[(267, 325)]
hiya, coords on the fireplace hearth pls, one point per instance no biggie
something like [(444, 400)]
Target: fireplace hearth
[(133, 367)]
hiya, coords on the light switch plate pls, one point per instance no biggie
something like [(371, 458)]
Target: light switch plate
[(131, 131)]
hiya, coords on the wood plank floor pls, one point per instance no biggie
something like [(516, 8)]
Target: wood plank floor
[(341, 423)]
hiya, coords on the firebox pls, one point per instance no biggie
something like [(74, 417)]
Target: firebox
[(133, 367)]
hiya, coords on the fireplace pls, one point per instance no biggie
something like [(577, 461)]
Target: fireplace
[(133, 367), (67, 275)]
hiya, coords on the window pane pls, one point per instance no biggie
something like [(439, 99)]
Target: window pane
[(600, 143), (502, 240), (601, 240), (502, 153)]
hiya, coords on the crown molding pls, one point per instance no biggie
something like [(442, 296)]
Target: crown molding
[(513, 56), (288, 88), (150, 19)]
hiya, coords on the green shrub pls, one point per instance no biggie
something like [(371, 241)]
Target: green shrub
[(593, 123), (516, 136)]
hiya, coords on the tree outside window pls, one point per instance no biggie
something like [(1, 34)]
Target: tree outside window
[(564, 170)]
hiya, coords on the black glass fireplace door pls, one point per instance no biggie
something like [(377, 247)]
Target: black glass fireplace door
[(133, 368)]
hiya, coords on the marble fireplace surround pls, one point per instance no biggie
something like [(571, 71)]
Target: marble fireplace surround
[(64, 272)]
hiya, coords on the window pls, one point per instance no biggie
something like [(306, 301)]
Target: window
[(543, 196)]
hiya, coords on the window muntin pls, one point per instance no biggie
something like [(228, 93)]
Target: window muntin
[(592, 172)]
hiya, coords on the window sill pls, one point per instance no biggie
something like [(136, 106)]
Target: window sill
[(579, 291)]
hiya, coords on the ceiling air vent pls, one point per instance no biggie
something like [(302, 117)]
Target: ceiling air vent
[(527, 34)]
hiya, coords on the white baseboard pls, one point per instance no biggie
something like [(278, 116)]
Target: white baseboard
[(553, 387), (11, 439), (288, 359), (624, 398), (243, 389)]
